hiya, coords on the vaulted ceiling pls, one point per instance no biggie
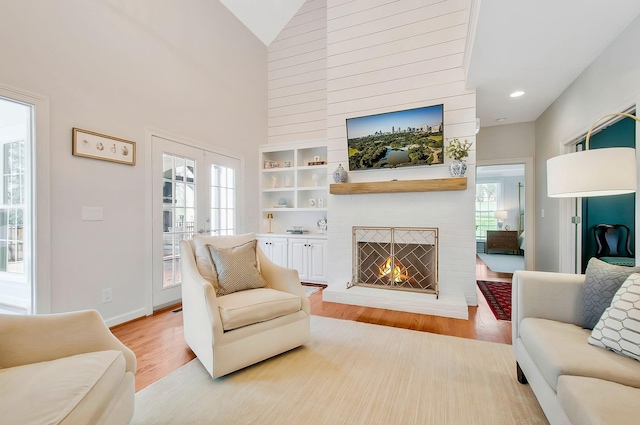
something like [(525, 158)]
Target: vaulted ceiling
[(538, 47)]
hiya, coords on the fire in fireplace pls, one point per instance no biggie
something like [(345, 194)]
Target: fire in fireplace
[(404, 258)]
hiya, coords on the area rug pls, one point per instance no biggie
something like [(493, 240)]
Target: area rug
[(503, 263), (498, 296), (352, 373)]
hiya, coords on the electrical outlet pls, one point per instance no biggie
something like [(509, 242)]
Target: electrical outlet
[(107, 295)]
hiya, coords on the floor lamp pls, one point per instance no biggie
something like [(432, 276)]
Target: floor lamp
[(598, 172), (589, 173)]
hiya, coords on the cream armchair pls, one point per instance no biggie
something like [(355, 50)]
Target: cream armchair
[(233, 331), (64, 369)]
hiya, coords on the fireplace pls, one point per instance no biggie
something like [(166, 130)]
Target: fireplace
[(402, 258)]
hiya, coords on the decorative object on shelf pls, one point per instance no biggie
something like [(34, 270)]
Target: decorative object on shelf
[(316, 158), (320, 202), (271, 164), (458, 150), (92, 145), (270, 218), (297, 230), (312, 203), (507, 227), (287, 164), (282, 202), (310, 163), (274, 181), (501, 215), (322, 225), (316, 179), (340, 175), (572, 175)]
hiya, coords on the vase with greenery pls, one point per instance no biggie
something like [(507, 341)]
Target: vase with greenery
[(457, 151)]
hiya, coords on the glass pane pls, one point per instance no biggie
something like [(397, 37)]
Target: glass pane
[(223, 177), (230, 219), (167, 246), (223, 220), (178, 271), (4, 255), (180, 169), (223, 198), (167, 166), (167, 192), (167, 220), (214, 176), (190, 219), (230, 198), (190, 196), (230, 177), (180, 195), (179, 217), (191, 170)]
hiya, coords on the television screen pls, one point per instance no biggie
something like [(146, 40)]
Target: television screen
[(396, 139)]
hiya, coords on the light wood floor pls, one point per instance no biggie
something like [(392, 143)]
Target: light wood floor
[(160, 348)]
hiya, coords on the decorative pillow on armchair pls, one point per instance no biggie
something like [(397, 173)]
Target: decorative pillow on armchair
[(619, 327), (236, 268), (203, 258), (602, 281)]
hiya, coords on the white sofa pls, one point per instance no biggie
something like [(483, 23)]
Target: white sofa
[(64, 369), (230, 332), (574, 382)]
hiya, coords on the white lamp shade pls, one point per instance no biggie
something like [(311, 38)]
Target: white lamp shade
[(500, 215), (595, 172)]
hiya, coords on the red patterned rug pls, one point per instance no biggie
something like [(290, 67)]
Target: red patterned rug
[(498, 296)]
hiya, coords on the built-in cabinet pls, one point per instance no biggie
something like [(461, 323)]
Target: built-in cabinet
[(306, 254), (275, 249), (293, 185)]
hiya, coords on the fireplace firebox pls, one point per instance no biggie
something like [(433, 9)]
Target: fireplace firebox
[(403, 258)]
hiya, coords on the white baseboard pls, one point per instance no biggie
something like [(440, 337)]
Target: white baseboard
[(112, 321), (446, 305)]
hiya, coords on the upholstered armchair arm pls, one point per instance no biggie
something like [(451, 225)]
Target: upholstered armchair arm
[(201, 316), (32, 339), (546, 295), (282, 279)]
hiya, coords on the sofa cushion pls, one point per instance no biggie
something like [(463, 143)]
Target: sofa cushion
[(236, 268), (203, 258), (255, 305), (591, 401), (561, 349), (619, 327), (602, 281), (52, 391)]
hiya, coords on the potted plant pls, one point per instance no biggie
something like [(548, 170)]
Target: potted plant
[(458, 150)]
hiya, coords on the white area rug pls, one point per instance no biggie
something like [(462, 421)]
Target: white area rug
[(356, 374), (503, 263)]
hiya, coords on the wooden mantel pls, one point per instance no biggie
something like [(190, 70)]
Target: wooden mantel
[(432, 185)]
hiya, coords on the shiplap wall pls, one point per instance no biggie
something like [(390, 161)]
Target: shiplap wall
[(385, 56), (340, 59), (297, 77)]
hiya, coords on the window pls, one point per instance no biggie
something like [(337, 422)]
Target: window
[(223, 200), (487, 203)]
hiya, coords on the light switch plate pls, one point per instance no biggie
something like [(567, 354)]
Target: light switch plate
[(92, 213)]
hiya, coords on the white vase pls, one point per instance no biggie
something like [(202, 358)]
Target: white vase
[(340, 175), (457, 168)]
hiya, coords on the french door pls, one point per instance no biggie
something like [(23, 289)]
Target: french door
[(195, 191)]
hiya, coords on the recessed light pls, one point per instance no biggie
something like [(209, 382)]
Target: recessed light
[(517, 93), (501, 119)]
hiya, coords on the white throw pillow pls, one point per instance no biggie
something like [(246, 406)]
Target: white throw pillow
[(619, 327), (203, 258)]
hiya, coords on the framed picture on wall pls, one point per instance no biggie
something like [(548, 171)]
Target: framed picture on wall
[(100, 146)]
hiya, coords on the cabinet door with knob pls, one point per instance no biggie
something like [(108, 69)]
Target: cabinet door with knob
[(275, 249), (308, 257)]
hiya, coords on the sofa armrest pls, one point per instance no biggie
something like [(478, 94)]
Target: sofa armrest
[(282, 279), (38, 338), (546, 295)]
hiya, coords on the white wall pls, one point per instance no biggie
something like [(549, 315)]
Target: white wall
[(297, 74), (610, 84), (386, 56), (116, 67), (506, 141)]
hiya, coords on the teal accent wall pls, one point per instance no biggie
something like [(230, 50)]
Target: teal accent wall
[(617, 209)]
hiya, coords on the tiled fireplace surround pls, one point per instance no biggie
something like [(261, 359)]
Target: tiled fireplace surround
[(452, 212)]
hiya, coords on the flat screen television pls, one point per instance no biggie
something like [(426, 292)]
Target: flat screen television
[(396, 139)]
